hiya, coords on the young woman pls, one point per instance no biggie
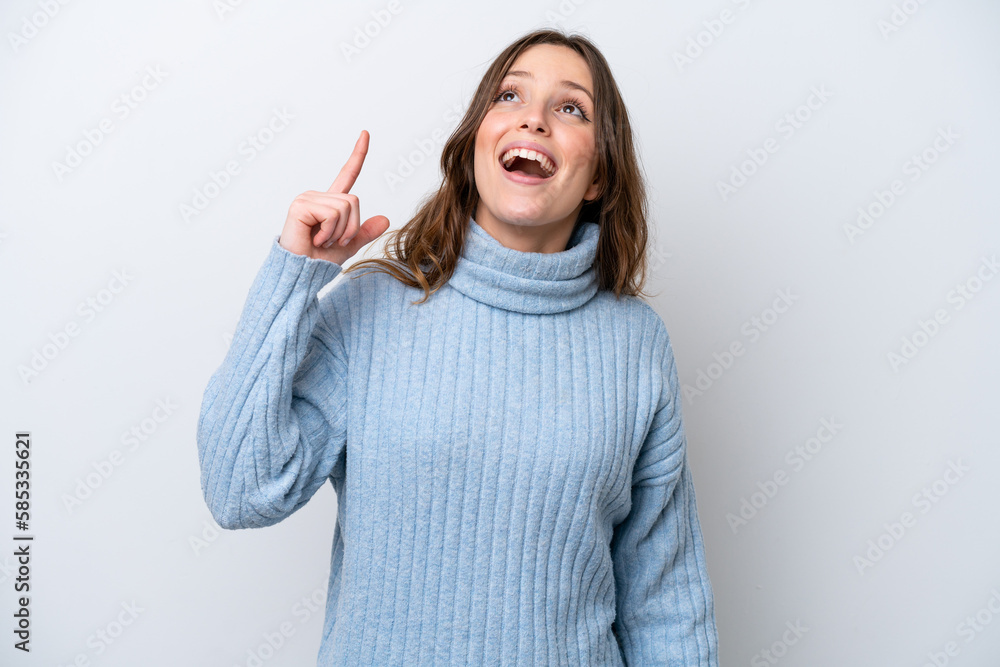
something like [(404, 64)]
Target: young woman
[(507, 450)]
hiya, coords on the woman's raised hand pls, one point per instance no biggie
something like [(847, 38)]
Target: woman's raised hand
[(318, 222)]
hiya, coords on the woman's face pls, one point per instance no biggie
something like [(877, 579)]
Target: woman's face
[(539, 101)]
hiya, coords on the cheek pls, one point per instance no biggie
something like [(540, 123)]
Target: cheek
[(484, 145), (588, 149), (487, 131), (584, 162)]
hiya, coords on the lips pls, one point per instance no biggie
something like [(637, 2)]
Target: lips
[(523, 178), (533, 151)]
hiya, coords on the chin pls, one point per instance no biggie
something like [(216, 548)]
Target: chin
[(522, 216)]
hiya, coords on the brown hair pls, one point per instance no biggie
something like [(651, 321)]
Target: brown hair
[(430, 244)]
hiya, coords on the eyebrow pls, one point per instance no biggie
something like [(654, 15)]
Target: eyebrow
[(569, 84)]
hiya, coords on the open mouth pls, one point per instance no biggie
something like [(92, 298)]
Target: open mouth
[(527, 163)]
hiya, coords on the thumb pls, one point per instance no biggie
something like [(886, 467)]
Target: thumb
[(370, 230)]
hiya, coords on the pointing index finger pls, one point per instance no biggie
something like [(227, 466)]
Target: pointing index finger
[(349, 172)]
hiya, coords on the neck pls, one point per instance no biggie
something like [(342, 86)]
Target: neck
[(543, 238)]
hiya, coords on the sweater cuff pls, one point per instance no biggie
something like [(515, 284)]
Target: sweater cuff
[(285, 279), (313, 274)]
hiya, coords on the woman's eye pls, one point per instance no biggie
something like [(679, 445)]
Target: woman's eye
[(576, 109), (572, 106), (501, 96)]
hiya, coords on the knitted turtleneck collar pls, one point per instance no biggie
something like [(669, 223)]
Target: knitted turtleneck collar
[(528, 282)]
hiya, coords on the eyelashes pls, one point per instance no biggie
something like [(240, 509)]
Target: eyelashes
[(511, 88)]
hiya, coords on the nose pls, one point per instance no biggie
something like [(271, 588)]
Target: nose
[(533, 118)]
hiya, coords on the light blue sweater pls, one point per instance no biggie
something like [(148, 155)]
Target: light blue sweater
[(509, 460)]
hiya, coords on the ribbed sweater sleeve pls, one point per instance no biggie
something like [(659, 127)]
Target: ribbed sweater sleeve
[(664, 599), (273, 417)]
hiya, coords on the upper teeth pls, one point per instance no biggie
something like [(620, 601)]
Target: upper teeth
[(547, 165)]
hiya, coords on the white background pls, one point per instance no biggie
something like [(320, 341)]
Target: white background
[(144, 536)]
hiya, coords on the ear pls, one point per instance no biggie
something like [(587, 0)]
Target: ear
[(593, 191)]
